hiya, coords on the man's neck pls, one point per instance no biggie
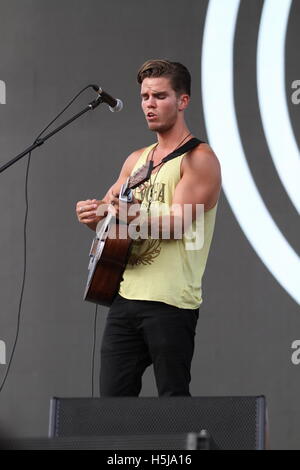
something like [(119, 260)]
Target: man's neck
[(172, 138)]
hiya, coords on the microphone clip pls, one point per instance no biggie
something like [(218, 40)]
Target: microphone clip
[(93, 104)]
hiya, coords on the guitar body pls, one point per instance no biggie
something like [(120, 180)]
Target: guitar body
[(108, 259), (111, 248)]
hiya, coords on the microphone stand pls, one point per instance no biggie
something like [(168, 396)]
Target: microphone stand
[(40, 141)]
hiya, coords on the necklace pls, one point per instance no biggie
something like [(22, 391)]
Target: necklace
[(154, 148), (160, 165)]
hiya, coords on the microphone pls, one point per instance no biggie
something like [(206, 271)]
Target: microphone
[(115, 105)]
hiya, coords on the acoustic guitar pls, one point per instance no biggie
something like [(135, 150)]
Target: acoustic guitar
[(109, 253)]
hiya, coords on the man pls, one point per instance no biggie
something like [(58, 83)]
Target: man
[(153, 318)]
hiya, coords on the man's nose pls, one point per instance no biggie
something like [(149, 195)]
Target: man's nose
[(151, 102)]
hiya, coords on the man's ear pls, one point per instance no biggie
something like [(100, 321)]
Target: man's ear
[(183, 102)]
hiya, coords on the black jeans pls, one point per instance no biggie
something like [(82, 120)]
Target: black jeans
[(139, 333)]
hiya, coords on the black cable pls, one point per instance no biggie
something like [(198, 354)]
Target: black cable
[(68, 105), (24, 276), (25, 236), (94, 349)]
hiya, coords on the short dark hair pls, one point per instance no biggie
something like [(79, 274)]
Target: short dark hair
[(178, 74)]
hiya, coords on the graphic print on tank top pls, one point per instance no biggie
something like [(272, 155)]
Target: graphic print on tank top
[(145, 251)]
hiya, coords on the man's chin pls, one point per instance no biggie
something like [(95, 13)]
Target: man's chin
[(152, 127), (156, 128)]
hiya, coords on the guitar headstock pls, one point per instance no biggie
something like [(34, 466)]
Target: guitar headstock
[(141, 175)]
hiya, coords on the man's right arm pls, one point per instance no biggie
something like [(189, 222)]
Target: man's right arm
[(86, 210)]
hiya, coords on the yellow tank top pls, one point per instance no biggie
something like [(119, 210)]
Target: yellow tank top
[(164, 270)]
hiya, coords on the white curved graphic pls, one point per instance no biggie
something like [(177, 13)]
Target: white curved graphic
[(222, 129), (272, 96)]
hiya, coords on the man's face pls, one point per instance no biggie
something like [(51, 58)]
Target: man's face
[(160, 103)]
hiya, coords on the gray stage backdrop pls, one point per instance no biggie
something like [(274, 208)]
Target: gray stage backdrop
[(244, 61)]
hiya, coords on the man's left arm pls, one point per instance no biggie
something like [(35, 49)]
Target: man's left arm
[(200, 184), (201, 179)]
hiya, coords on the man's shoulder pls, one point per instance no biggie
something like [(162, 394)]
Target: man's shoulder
[(134, 156), (201, 157), (136, 153), (132, 159)]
